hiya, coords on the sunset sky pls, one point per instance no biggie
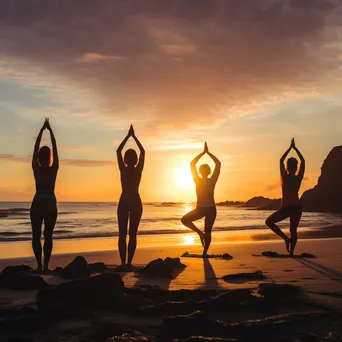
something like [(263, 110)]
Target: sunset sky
[(243, 75)]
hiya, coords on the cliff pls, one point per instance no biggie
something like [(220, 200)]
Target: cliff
[(326, 196)]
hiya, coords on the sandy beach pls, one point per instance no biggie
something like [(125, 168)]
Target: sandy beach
[(319, 277)]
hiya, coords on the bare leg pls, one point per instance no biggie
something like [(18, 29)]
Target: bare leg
[(187, 221), (50, 222), (36, 222), (123, 221), (134, 221), (271, 223), (208, 226), (294, 222)]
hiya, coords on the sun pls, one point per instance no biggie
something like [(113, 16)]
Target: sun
[(183, 178), (189, 240)]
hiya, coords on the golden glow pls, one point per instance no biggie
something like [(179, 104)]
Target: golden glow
[(189, 240), (183, 178)]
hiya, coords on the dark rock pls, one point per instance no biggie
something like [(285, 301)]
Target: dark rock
[(279, 291), (224, 256), (78, 268), (109, 331), (204, 339), (9, 270), (227, 256), (19, 278), (98, 267), (326, 196), (171, 308), (130, 338), (159, 295), (270, 254), (244, 277), (58, 270), (195, 324), (104, 291), (22, 324), (260, 201), (104, 330), (284, 327), (160, 268), (230, 203), (228, 300), (231, 300)]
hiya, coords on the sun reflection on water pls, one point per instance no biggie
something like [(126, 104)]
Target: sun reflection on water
[(189, 240)]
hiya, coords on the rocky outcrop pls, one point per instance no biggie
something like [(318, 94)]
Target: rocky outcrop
[(326, 196), (78, 268), (230, 203), (264, 203), (20, 278), (160, 268), (102, 291)]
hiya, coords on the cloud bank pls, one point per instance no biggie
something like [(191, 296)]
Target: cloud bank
[(178, 62)]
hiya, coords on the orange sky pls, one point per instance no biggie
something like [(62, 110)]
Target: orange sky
[(245, 76)]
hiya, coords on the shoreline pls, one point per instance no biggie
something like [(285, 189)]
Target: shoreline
[(20, 249)]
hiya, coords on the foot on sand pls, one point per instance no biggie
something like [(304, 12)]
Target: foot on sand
[(38, 270), (121, 268), (46, 270), (131, 268)]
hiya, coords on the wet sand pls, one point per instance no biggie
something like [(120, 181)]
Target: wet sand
[(319, 277)]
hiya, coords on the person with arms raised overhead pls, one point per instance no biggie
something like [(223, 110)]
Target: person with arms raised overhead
[(206, 207), (44, 205), (290, 206), (130, 205)]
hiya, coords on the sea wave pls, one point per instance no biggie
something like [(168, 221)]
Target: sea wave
[(71, 234)]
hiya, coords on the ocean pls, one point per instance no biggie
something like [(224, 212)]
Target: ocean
[(91, 220)]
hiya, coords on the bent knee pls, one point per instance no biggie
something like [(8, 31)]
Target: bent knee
[(269, 221), (185, 220)]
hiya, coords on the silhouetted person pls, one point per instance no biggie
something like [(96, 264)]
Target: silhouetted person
[(206, 207), (44, 206), (130, 205), (290, 206)]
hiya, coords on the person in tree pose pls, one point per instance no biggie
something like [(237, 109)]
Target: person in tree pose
[(44, 206), (130, 205), (206, 207), (290, 206)]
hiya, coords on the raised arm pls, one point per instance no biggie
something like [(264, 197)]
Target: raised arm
[(36, 148), (141, 162), (119, 152), (302, 163), (193, 163), (217, 169), (55, 163), (282, 159)]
